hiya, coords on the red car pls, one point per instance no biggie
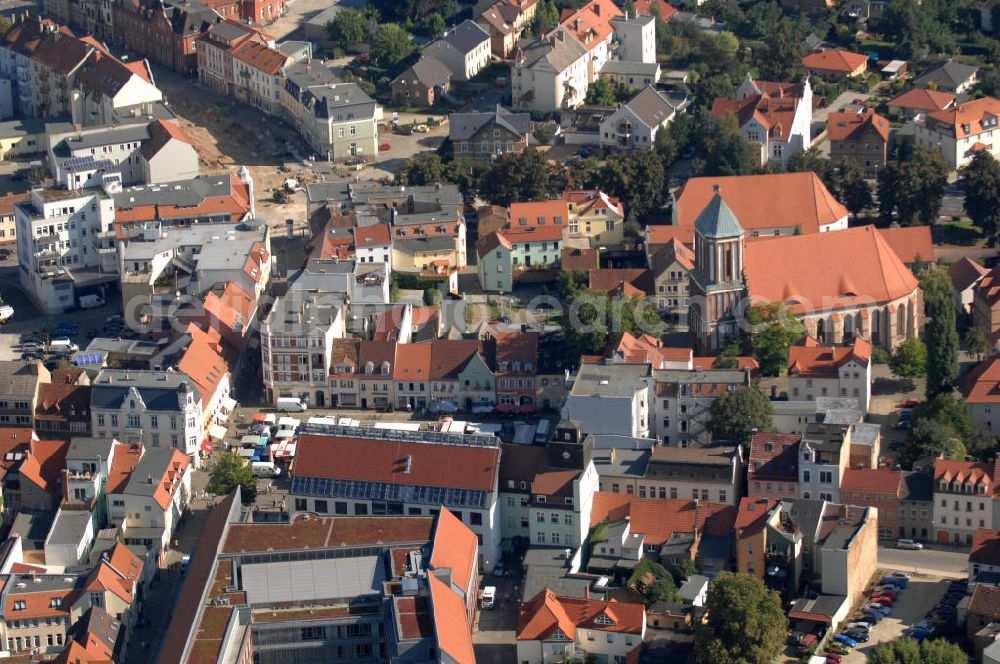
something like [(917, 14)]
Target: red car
[(884, 601), (384, 147), (833, 658), (909, 403)]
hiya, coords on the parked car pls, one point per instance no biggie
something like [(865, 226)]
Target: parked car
[(499, 569), (805, 643), (901, 575), (838, 648), (384, 147), (859, 635), (884, 610), (833, 658), (846, 640), (907, 543), (861, 624), (889, 592), (873, 615)]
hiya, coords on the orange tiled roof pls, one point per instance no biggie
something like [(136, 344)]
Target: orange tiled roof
[(910, 243), (835, 60), (752, 515), (260, 56), (922, 99), (372, 236), (454, 547), (547, 612), (666, 233), (780, 200), (824, 361), (591, 24), (521, 234), (125, 460), (234, 306), (873, 480), (963, 471), (982, 385), (852, 126), (413, 362), (165, 489), (45, 463), (451, 622), (646, 349), (658, 519), (742, 362), (585, 200), (539, 213), (969, 119), (985, 547), (828, 270), (203, 361), (775, 114), (666, 10)]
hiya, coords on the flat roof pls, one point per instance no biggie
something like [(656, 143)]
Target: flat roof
[(69, 527)]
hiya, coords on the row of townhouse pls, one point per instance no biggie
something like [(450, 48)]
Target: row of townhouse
[(338, 120), (306, 354), (51, 72), (409, 228)]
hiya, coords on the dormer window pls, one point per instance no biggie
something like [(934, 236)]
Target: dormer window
[(385, 368), (540, 498), (944, 485), (603, 619), (559, 636), (981, 488), (768, 447), (369, 367)]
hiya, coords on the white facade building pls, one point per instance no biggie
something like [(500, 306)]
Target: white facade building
[(611, 399)]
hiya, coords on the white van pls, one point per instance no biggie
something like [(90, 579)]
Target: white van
[(265, 469), (909, 544), (291, 405), (91, 301), (62, 345), (489, 597)]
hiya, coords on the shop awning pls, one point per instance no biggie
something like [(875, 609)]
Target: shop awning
[(227, 404), (217, 431), (260, 417), (206, 446)]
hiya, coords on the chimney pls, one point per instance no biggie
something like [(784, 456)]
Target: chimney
[(843, 511), (586, 591), (716, 188), (149, 479), (613, 455)]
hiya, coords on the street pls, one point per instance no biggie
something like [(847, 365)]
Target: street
[(940, 561)]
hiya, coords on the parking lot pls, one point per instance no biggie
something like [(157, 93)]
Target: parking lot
[(911, 606)]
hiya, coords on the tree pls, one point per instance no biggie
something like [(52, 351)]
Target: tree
[(421, 169), (228, 472), (772, 330), (940, 332), (736, 415), (390, 45), (521, 176), (780, 58), (721, 50), (347, 27), (975, 342), (912, 189), (654, 582), (682, 570), (852, 188), (981, 183), (746, 622), (600, 93), (546, 16), (909, 360), (637, 178), (432, 296), (432, 26), (908, 651), (727, 152)]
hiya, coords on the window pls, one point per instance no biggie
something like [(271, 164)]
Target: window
[(20, 605), (540, 517), (133, 422), (100, 419), (805, 476), (314, 633), (476, 518)]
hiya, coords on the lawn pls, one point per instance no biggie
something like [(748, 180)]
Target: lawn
[(961, 232)]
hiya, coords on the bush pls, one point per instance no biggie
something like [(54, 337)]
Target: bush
[(880, 355)]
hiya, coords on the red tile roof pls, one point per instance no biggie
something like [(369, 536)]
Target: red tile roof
[(635, 281), (985, 601), (848, 125), (591, 24), (752, 515), (649, 350), (985, 547), (165, 489), (372, 236), (233, 309), (490, 242), (161, 132), (780, 200), (39, 604), (203, 362), (546, 612), (455, 547), (435, 465), (972, 118), (774, 456), (775, 114), (742, 362), (840, 269), (322, 532), (837, 60), (659, 519), (871, 480), (44, 465), (910, 243), (451, 623), (824, 361), (450, 356), (522, 234), (413, 362), (982, 385), (662, 7), (539, 213), (965, 273), (963, 471), (922, 99), (261, 57), (582, 201), (125, 460)]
